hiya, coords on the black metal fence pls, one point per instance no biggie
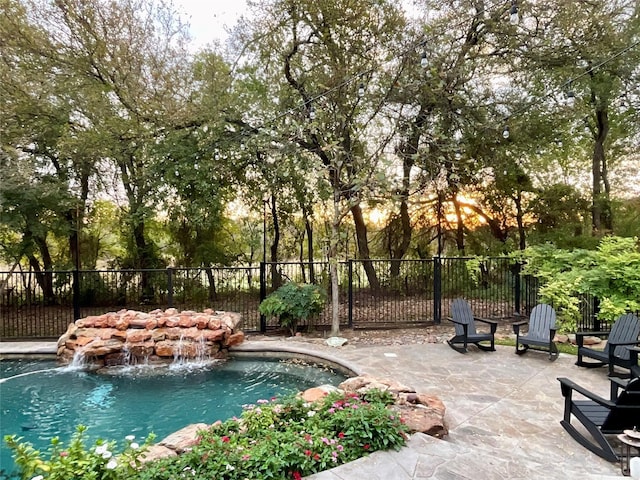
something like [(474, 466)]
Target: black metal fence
[(392, 293)]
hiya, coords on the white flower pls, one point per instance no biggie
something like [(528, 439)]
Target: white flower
[(113, 463), (107, 454), (100, 449), (230, 467), (311, 413), (38, 477), (134, 446), (130, 438)]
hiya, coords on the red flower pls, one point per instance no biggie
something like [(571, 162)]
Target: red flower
[(341, 435), (316, 456), (307, 453), (297, 476), (366, 446), (64, 454), (225, 439)]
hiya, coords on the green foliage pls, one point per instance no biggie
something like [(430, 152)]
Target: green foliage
[(76, 461), (293, 302), (474, 269), (611, 273), (288, 438)]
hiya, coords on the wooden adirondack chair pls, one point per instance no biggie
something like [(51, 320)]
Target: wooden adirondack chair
[(624, 334), (600, 417), (541, 332), (465, 327)]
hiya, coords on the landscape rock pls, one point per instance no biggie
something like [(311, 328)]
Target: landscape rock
[(156, 452), (137, 336), (317, 393), (336, 341), (184, 438), (420, 412)]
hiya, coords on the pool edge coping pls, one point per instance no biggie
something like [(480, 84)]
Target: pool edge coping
[(43, 350), (253, 347)]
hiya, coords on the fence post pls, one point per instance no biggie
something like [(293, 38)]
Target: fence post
[(518, 287), (76, 294), (350, 291), (263, 294), (596, 321), (170, 287), (437, 290)]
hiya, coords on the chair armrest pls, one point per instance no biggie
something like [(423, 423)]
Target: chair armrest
[(580, 336), (633, 351), (492, 323), (485, 320), (516, 326), (567, 386), (623, 344), (596, 334), (455, 321)]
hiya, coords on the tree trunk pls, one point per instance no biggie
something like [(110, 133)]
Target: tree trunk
[(439, 218), (333, 265), (522, 234), (459, 224), (363, 247), (309, 228), (401, 249), (601, 207), (142, 262), (213, 294), (44, 279), (44, 276), (276, 278)]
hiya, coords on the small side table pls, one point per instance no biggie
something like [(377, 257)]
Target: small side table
[(625, 455)]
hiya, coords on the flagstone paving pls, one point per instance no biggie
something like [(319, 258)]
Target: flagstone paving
[(503, 410)]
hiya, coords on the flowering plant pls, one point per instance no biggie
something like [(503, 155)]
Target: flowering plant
[(289, 438), (61, 462)]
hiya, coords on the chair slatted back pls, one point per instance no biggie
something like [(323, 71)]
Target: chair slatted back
[(625, 329), (541, 321), (461, 312)]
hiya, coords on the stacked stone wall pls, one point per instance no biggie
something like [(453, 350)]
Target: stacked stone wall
[(129, 336)]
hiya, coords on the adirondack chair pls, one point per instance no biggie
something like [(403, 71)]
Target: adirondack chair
[(618, 383), (600, 417), (465, 328), (542, 330), (624, 334)]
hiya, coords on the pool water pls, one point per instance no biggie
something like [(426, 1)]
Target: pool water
[(40, 401)]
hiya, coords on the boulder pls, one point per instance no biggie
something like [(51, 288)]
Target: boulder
[(419, 418), (185, 438), (156, 452), (317, 393)]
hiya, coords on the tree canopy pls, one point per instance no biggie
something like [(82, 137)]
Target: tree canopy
[(330, 129)]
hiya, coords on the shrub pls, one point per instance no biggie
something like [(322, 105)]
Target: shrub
[(101, 461), (293, 302), (611, 273), (287, 439)]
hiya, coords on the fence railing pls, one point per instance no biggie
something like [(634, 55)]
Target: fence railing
[(403, 293)]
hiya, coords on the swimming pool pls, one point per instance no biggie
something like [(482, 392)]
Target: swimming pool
[(41, 400)]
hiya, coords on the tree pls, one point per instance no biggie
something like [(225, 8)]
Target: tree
[(322, 52), (585, 48)]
